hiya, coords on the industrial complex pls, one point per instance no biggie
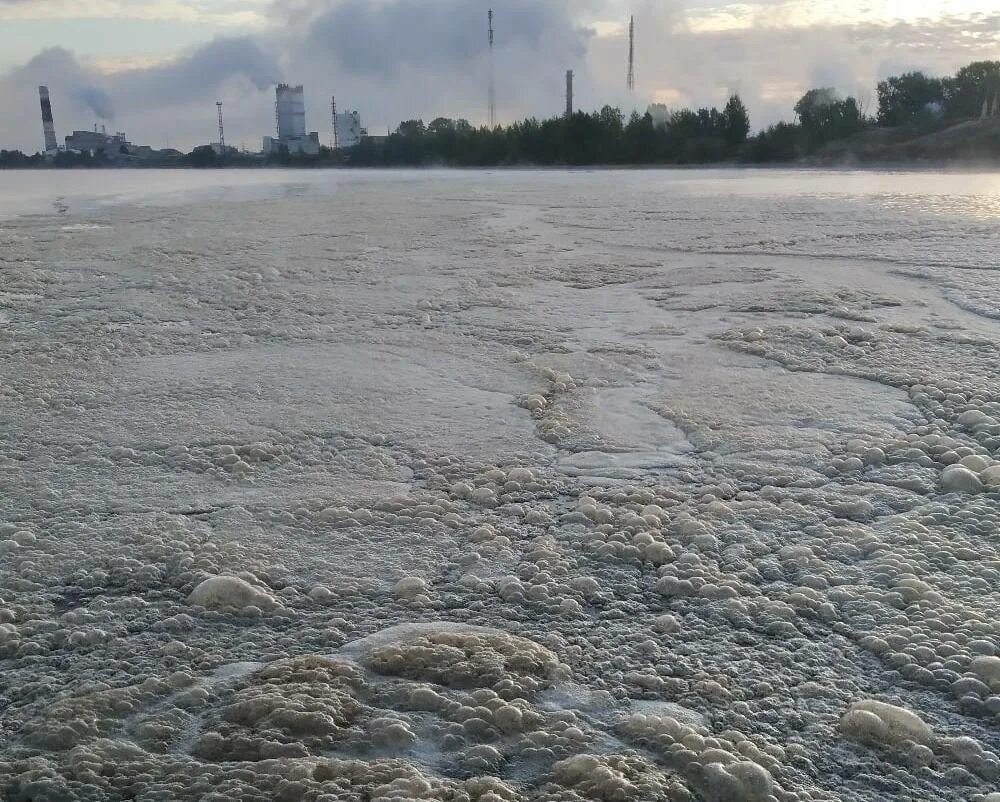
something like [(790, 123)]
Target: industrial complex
[(113, 147), (290, 113), (290, 137)]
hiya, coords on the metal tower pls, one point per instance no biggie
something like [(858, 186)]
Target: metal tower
[(222, 135), (569, 93), (336, 125), (630, 81), (493, 88)]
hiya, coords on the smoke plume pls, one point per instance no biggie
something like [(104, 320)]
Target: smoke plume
[(96, 100)]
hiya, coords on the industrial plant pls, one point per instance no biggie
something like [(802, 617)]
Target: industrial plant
[(347, 128), (290, 113), (290, 139), (112, 147)]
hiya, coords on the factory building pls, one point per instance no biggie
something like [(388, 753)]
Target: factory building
[(349, 129), (290, 111), (95, 141), (114, 147)]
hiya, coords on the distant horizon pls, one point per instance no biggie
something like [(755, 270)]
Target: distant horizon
[(155, 69)]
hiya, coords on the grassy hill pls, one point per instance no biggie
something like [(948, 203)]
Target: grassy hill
[(970, 142)]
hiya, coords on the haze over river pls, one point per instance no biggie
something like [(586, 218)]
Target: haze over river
[(499, 485)]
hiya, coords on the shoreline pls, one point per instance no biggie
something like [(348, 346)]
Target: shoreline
[(952, 166)]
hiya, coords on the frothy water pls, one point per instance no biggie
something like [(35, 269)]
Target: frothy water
[(504, 485)]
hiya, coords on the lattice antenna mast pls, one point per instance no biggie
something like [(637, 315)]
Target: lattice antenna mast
[(336, 125), (630, 81), (493, 88), (222, 135)]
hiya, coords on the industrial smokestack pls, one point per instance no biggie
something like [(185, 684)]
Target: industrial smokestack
[(47, 125), (569, 93), (630, 80), (493, 86)]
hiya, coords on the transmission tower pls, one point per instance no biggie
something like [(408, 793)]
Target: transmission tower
[(222, 136), (493, 88), (630, 81), (336, 125)]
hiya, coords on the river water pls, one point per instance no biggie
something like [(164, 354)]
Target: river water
[(590, 484)]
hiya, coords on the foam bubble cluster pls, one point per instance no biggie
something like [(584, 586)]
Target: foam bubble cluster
[(440, 490)]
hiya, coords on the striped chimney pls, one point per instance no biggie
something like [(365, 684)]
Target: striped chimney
[(47, 125)]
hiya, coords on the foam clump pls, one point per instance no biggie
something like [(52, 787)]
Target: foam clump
[(99, 712), (721, 768), (230, 592), (410, 587), (513, 666), (871, 721), (974, 756), (743, 781), (613, 778), (283, 710), (667, 624), (959, 479), (987, 668)]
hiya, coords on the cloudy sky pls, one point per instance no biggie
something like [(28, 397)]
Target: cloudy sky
[(154, 68)]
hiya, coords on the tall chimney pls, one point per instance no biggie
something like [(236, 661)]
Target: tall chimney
[(47, 125), (569, 93)]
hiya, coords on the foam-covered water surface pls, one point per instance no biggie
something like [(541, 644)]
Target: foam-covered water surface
[(502, 485)]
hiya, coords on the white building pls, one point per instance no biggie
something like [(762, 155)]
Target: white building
[(349, 129), (290, 111), (307, 145)]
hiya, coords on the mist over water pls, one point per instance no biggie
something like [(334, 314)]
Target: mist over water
[(505, 485)]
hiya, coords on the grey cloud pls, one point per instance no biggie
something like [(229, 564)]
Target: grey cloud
[(97, 100), (387, 38), (395, 59), (199, 72), (776, 65), (416, 58), (156, 102)]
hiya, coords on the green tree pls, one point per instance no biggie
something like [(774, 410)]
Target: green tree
[(412, 128), (641, 144), (441, 125), (203, 156), (736, 122), (15, 158), (779, 143), (974, 84), (824, 116), (908, 98)]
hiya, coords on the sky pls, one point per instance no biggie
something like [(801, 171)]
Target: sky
[(155, 68)]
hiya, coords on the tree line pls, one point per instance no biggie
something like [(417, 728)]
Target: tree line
[(16, 159), (909, 103), (913, 102), (602, 137)]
